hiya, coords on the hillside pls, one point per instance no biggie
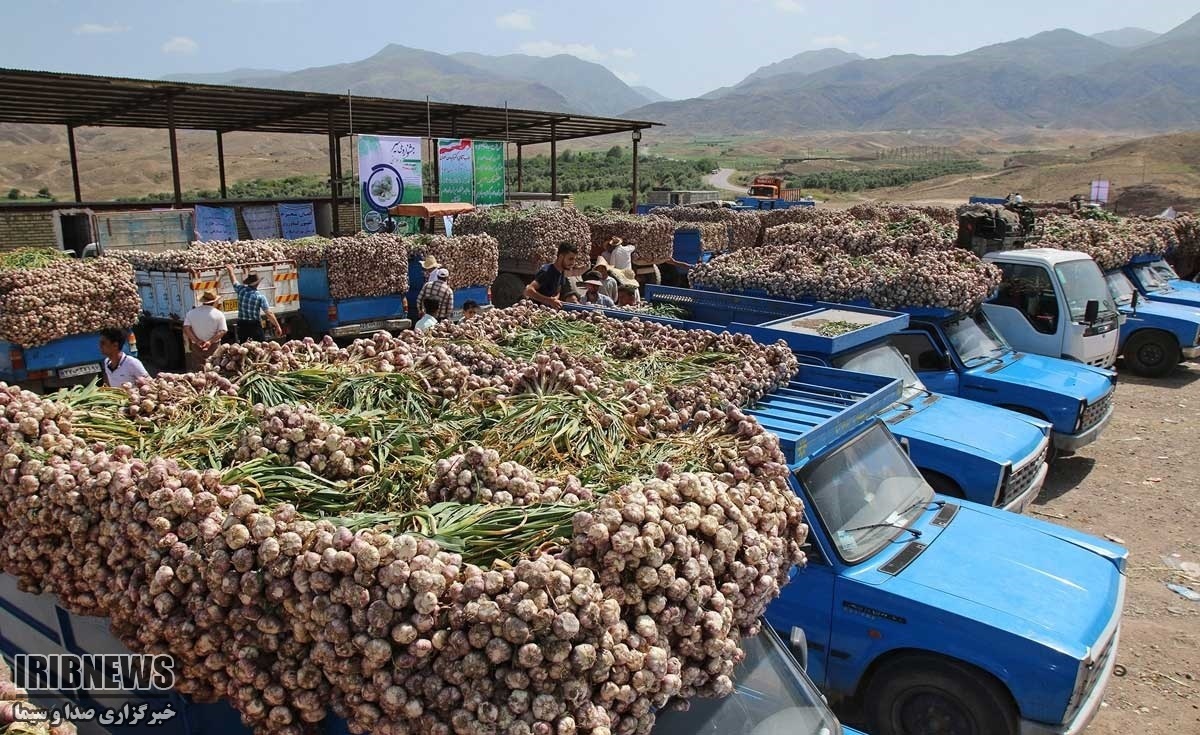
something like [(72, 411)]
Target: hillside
[(1148, 175), (1058, 78), (409, 73), (587, 87), (805, 62), (651, 95), (1126, 37)]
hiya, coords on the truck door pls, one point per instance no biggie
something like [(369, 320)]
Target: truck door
[(807, 602), (929, 361), (1027, 311)]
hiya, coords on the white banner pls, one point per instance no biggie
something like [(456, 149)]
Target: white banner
[(263, 222)]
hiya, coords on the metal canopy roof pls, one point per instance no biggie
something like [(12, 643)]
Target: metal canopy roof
[(78, 100)]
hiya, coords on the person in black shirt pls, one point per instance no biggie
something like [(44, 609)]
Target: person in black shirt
[(549, 285)]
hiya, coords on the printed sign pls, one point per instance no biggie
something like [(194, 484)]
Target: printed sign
[(456, 181), (1100, 191), (489, 172), (216, 223), (389, 173), (263, 222), (297, 220)]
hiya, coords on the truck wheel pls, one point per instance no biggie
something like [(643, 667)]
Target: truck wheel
[(1152, 354), (926, 695), (166, 348), (508, 289), (298, 327)]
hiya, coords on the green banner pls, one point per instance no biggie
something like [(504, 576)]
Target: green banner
[(455, 177), (489, 172)]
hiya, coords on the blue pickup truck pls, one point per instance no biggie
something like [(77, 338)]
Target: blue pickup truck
[(964, 449), (925, 613), (1155, 335), (58, 363), (1157, 281)]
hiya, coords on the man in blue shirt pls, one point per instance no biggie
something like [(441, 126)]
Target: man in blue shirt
[(549, 285), (251, 307)]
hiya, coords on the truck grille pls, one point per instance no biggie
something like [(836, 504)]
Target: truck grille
[(1093, 673), (1094, 412), (1022, 477)]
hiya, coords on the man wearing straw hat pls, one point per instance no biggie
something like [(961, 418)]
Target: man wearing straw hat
[(429, 265), (608, 282), (203, 327)]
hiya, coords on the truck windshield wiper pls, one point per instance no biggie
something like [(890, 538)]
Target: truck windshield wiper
[(913, 531)]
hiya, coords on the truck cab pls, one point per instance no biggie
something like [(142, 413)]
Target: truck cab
[(930, 614), (1157, 281), (962, 354), (1054, 303), (772, 695), (964, 449), (1155, 335)]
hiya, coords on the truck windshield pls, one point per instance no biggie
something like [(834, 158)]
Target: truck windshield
[(1150, 278), (1082, 282), (773, 696), (767, 192), (1120, 288), (974, 339), (1164, 270), (887, 361), (865, 493)]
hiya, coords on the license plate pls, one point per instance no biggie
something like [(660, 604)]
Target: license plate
[(77, 370), (370, 326), (229, 305)]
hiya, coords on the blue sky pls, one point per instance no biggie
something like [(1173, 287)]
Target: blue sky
[(681, 48)]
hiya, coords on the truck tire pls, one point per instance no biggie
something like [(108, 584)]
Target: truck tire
[(508, 289), (1151, 354), (166, 348), (297, 327), (930, 695)]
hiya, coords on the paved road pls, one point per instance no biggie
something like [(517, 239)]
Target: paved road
[(720, 180)]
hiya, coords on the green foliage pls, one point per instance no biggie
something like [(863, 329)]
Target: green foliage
[(880, 177), (619, 201), (595, 171), (293, 187), (44, 192), (14, 193)]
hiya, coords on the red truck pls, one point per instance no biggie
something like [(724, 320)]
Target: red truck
[(767, 192)]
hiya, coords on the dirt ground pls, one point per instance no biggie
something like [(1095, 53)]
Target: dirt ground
[(1139, 484)]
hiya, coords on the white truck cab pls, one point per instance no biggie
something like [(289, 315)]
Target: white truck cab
[(1055, 303)]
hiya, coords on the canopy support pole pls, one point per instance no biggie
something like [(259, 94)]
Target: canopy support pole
[(221, 163), (553, 162), (174, 151), (333, 182), (74, 161)]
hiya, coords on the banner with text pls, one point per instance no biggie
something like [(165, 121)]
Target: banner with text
[(489, 172), (216, 223), (389, 173), (456, 180), (297, 220), (263, 222)]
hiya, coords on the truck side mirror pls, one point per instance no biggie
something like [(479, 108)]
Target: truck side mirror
[(798, 642), (1134, 301), (1091, 312)]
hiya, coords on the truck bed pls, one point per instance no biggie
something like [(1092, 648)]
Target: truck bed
[(171, 294)]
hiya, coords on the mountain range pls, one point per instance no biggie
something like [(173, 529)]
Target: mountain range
[(559, 82), (1059, 79), (1124, 79)]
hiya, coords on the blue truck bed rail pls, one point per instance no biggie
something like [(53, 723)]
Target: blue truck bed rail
[(820, 405)]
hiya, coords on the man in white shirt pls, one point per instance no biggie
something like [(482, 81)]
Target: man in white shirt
[(619, 255), (427, 322), (203, 328), (120, 369)]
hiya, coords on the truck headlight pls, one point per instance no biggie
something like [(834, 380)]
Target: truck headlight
[(1079, 416), (1005, 474)]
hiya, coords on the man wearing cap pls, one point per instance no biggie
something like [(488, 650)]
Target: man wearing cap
[(252, 305), (203, 327), (609, 284), (437, 289), (593, 295)]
